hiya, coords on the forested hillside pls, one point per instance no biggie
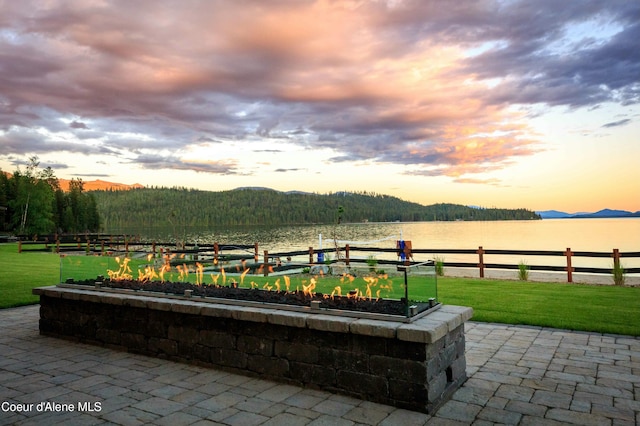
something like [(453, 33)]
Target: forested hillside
[(159, 207), (32, 202)]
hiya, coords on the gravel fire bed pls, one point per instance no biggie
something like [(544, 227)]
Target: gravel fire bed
[(295, 298)]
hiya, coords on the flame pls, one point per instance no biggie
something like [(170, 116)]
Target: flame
[(214, 278), (123, 272), (287, 282), (277, 284), (371, 281), (242, 276), (199, 273), (337, 290), (179, 268), (267, 287), (224, 276), (148, 275), (165, 268), (307, 290)]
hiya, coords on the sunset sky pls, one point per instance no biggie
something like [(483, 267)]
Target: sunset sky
[(502, 103)]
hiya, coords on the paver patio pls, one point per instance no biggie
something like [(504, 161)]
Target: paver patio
[(517, 375)]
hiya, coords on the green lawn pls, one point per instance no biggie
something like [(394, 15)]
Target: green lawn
[(605, 309)]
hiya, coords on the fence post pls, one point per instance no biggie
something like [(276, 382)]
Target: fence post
[(346, 254), (255, 252), (569, 268), (616, 258), (310, 255), (216, 250), (58, 245), (266, 263), (481, 261), (19, 246)]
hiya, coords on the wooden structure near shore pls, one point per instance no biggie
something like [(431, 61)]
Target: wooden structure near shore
[(102, 244)]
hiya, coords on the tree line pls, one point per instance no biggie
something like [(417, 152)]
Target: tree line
[(182, 207), (32, 202)]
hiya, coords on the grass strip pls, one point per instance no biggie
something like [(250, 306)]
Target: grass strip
[(604, 309)]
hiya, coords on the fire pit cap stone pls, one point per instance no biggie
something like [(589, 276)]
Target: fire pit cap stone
[(329, 323), (289, 319), (374, 328), (464, 312), (435, 326), (184, 307), (242, 313), (221, 311)]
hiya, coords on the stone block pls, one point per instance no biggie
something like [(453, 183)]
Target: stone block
[(464, 312), (422, 332), (201, 353), (411, 394), (288, 319), (163, 346), (134, 341), (400, 369), (229, 358), (374, 328), (135, 302), (297, 352), (107, 336), (407, 350), (185, 334), (158, 304), (330, 323), (269, 366), (89, 297), (186, 307), (312, 374), (242, 313), (217, 339), (111, 299), (343, 360), (436, 387), (362, 383), (217, 311), (254, 345)]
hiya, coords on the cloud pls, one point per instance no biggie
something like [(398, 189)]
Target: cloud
[(409, 83), (289, 170), (151, 161), (491, 181), (78, 125), (617, 123)]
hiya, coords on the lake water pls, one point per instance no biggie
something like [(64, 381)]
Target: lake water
[(599, 235)]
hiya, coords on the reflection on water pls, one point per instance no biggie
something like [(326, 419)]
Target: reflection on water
[(602, 235)]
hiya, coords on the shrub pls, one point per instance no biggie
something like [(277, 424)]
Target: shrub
[(439, 262), (372, 262), (618, 273), (523, 271)]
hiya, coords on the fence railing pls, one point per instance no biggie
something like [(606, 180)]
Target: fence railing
[(275, 261)]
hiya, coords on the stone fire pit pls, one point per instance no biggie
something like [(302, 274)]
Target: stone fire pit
[(415, 365)]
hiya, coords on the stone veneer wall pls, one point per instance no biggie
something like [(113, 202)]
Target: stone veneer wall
[(416, 365)]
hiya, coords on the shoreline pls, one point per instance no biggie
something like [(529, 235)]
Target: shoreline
[(538, 276)]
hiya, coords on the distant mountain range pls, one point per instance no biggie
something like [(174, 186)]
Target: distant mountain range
[(97, 185), (555, 214)]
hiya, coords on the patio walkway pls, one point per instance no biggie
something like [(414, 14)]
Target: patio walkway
[(517, 375)]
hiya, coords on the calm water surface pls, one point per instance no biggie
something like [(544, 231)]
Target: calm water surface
[(602, 235)]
